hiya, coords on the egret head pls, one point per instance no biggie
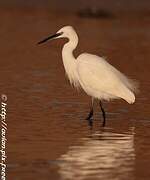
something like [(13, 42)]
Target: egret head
[(65, 32)]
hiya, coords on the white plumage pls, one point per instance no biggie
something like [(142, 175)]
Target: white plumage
[(102, 81), (94, 74)]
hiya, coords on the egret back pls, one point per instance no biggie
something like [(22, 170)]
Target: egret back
[(101, 80)]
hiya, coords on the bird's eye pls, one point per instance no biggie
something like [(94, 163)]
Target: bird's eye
[(61, 33)]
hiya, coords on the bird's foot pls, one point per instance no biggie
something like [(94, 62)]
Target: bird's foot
[(90, 122), (90, 115), (104, 123)]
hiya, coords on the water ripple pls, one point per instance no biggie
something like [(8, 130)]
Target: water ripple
[(104, 155)]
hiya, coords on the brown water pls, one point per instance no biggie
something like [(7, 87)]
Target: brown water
[(48, 137)]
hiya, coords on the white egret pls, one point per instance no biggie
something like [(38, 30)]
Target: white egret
[(94, 74)]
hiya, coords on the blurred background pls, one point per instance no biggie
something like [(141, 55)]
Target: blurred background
[(48, 136), (112, 5)]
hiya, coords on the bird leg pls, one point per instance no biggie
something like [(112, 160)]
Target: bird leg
[(91, 110), (90, 114), (103, 113)]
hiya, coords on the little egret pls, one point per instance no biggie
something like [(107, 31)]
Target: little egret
[(94, 74)]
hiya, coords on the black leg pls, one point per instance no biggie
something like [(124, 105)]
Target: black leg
[(90, 123), (103, 113), (90, 114), (91, 111)]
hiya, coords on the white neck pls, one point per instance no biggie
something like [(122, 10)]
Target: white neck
[(71, 44), (69, 60)]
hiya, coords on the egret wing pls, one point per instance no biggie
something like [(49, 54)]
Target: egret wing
[(96, 73)]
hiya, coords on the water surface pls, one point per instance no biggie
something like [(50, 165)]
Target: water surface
[(48, 136)]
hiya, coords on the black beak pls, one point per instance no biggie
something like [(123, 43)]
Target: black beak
[(50, 37)]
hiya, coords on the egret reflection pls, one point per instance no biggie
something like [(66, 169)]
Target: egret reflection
[(104, 155)]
